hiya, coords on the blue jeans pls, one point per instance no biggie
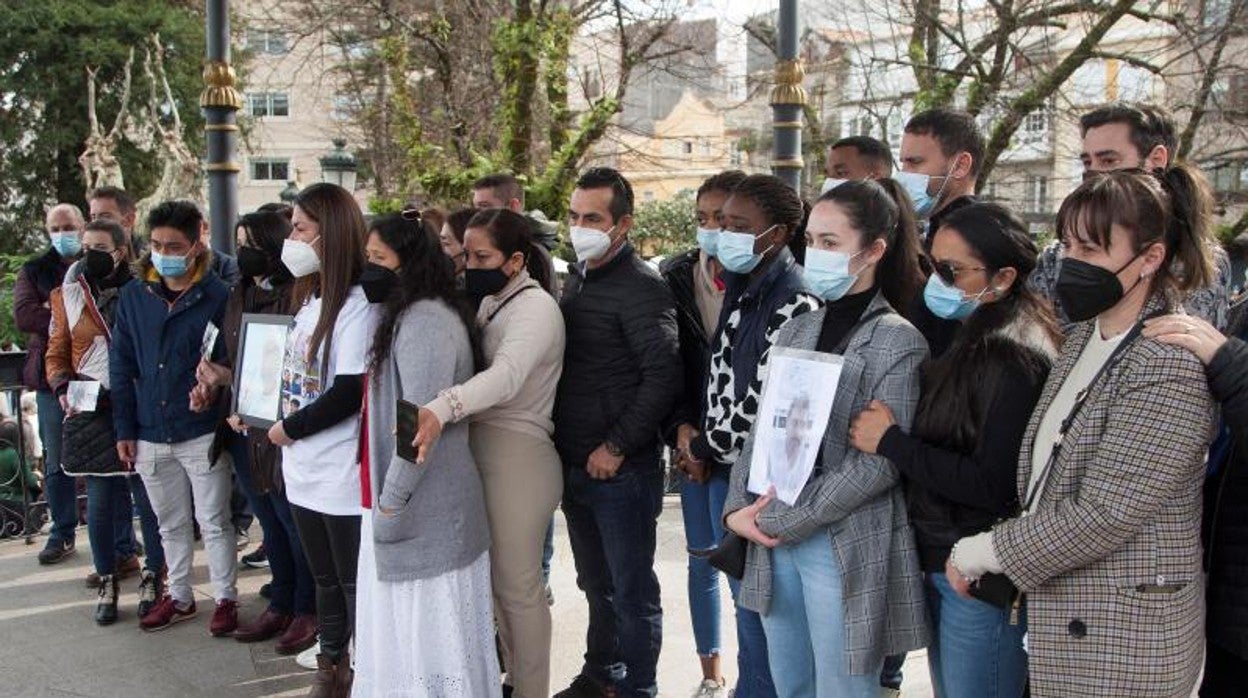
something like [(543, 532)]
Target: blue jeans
[(975, 651), (806, 625), (612, 527), (548, 551), (702, 507), (59, 488), (110, 522), (293, 590), (753, 665)]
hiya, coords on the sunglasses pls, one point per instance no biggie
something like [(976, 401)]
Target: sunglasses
[(411, 214), (949, 273)]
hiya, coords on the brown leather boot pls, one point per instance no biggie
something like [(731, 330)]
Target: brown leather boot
[(344, 676), (324, 684)]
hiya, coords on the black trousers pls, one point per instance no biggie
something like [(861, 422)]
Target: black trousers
[(332, 546), (1224, 673)]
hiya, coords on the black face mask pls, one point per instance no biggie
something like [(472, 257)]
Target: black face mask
[(98, 265), (480, 283), (252, 262), (1086, 290), (378, 282)]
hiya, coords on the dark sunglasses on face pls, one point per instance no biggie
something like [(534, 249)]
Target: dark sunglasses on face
[(410, 214), (949, 273)]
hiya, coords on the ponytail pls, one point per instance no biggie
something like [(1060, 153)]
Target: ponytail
[(881, 210), (1189, 235)]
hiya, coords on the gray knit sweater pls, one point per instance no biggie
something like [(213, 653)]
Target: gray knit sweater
[(441, 521)]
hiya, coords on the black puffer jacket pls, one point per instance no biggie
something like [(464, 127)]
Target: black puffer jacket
[(695, 343), (1226, 507), (621, 367)]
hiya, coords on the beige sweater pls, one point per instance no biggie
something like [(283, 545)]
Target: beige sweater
[(522, 338)]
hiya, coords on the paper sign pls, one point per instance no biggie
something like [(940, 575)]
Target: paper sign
[(798, 393), (83, 395), (210, 340)]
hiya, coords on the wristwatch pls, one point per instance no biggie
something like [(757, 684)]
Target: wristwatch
[(613, 449)]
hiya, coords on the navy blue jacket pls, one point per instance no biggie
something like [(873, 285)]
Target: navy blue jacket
[(154, 352)]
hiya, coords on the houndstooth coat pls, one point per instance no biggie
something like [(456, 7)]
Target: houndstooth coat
[(857, 502), (1110, 556)]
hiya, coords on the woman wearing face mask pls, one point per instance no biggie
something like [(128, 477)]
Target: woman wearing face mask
[(78, 351), (763, 290), (846, 541), (509, 405), (961, 458), (425, 618), (265, 288), (696, 283), (323, 368), (1107, 544)]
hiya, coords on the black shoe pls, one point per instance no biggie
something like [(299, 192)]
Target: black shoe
[(256, 559), (266, 591), (151, 588), (55, 553), (508, 690), (241, 539), (585, 687), (106, 605)]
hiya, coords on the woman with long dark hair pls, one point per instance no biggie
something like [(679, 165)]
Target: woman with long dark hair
[(835, 577), (265, 288), (1106, 544), (426, 622), (323, 369), (961, 457)]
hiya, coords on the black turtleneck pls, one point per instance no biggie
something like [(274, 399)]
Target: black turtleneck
[(840, 317)]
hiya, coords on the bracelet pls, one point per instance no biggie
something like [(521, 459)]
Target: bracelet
[(953, 554)]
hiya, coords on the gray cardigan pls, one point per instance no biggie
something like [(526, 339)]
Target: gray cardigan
[(857, 503), (441, 523)]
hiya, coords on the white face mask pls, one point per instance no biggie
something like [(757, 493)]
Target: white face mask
[(830, 183), (590, 243), (300, 257)]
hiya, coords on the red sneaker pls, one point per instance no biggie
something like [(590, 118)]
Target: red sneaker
[(165, 613), (224, 618)]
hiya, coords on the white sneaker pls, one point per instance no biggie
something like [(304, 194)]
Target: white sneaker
[(710, 688), (307, 658)]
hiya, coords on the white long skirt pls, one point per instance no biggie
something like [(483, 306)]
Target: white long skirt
[(429, 638)]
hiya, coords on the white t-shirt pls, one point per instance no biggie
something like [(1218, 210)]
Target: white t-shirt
[(321, 471)]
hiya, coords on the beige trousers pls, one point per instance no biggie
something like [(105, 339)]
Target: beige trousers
[(523, 482)]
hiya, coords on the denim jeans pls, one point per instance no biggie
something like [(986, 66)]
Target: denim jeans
[(806, 625), (293, 589), (702, 506), (974, 651), (753, 667), (110, 513), (612, 527), (548, 550), (59, 488)]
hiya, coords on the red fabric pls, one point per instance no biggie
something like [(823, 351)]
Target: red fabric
[(366, 485)]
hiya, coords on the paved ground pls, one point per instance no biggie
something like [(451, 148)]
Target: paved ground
[(51, 647)]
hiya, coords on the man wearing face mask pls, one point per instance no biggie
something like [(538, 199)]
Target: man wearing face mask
[(32, 312), (621, 376), (162, 426), (856, 158), (1121, 135)]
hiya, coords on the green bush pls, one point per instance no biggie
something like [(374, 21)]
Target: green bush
[(666, 227), (9, 266)]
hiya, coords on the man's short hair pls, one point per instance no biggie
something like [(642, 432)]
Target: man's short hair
[(184, 216), (114, 230), (505, 186), (955, 131), (608, 178), (873, 150), (1150, 125), (125, 202)]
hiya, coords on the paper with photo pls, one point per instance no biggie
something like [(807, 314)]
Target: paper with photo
[(83, 396), (797, 398)]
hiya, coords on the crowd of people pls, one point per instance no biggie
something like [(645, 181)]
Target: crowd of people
[(1010, 472)]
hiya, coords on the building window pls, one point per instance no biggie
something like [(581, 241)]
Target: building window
[(1230, 177), (687, 148), (735, 153), (268, 41), (1235, 100), (345, 108), (706, 147), (1216, 12), (270, 170), (647, 196), (1037, 193), (261, 104)]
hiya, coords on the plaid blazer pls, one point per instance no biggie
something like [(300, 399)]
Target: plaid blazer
[(856, 503), (1110, 554)]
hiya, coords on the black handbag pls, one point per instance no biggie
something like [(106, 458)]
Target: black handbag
[(89, 445), (729, 556)]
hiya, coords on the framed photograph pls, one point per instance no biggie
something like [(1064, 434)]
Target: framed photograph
[(258, 370)]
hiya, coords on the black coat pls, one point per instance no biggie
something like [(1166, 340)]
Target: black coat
[(1226, 507), (621, 367), (695, 344)]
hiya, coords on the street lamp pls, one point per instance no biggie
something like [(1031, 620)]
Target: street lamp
[(290, 193), (339, 166)]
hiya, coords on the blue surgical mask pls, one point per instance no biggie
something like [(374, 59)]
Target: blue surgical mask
[(169, 265), (736, 251), (830, 183), (947, 302), (915, 185), (827, 273), (708, 240), (66, 244)]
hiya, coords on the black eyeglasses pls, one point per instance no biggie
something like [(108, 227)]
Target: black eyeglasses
[(411, 214), (949, 273)]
